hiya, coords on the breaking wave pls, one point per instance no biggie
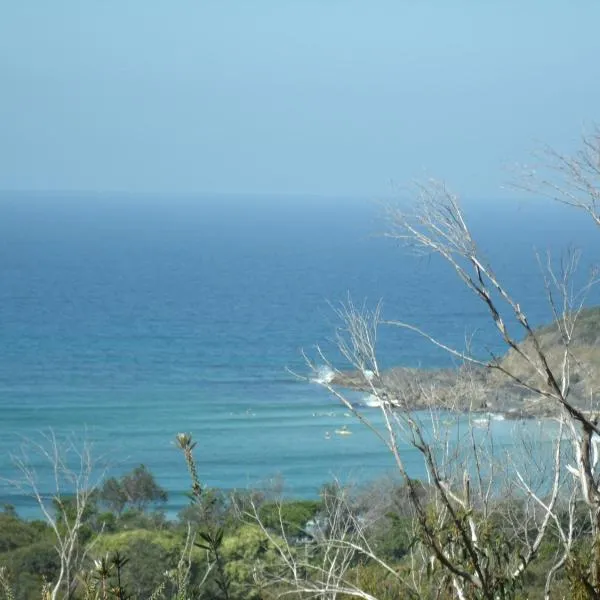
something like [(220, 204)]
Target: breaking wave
[(324, 374), (372, 401)]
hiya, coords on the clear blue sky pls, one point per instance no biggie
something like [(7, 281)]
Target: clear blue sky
[(304, 96)]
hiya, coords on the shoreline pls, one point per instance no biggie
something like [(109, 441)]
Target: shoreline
[(472, 391)]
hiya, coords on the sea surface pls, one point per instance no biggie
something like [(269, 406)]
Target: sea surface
[(126, 319)]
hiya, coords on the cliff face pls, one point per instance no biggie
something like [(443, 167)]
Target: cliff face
[(481, 389)]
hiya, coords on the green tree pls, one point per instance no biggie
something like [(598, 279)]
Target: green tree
[(137, 490), (293, 515)]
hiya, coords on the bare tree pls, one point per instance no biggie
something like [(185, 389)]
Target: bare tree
[(322, 562), (572, 179), (63, 500)]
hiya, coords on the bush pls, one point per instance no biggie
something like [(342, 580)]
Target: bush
[(293, 514), (29, 565), (15, 533)]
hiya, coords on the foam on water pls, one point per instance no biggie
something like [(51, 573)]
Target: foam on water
[(371, 400), (325, 374)]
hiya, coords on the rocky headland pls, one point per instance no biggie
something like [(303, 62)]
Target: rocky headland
[(481, 389)]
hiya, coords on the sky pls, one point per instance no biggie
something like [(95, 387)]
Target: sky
[(323, 97)]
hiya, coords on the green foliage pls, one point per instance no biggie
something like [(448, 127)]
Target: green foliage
[(136, 519), (392, 536), (107, 522), (105, 580), (137, 490), (137, 554), (581, 566), (9, 510), (373, 579), (246, 555), (28, 566), (148, 561), (211, 507), (120, 541), (211, 533), (292, 515), (15, 533), (27, 554), (6, 585), (112, 495), (152, 558), (498, 552)]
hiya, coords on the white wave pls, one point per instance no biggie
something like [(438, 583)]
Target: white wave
[(343, 431), (325, 374), (487, 418), (371, 400)]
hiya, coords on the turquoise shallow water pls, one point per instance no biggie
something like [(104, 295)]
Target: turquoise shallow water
[(135, 318)]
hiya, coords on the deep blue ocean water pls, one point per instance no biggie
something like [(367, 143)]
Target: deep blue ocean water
[(128, 319)]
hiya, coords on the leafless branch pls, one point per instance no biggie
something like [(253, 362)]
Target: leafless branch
[(75, 477)]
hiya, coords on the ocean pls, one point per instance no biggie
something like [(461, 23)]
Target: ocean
[(126, 319)]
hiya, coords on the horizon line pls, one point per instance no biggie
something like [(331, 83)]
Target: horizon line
[(366, 197), (190, 193)]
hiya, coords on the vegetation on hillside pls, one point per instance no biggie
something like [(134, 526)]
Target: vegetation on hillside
[(137, 553)]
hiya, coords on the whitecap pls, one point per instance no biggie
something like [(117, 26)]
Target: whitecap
[(325, 374), (372, 401)]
